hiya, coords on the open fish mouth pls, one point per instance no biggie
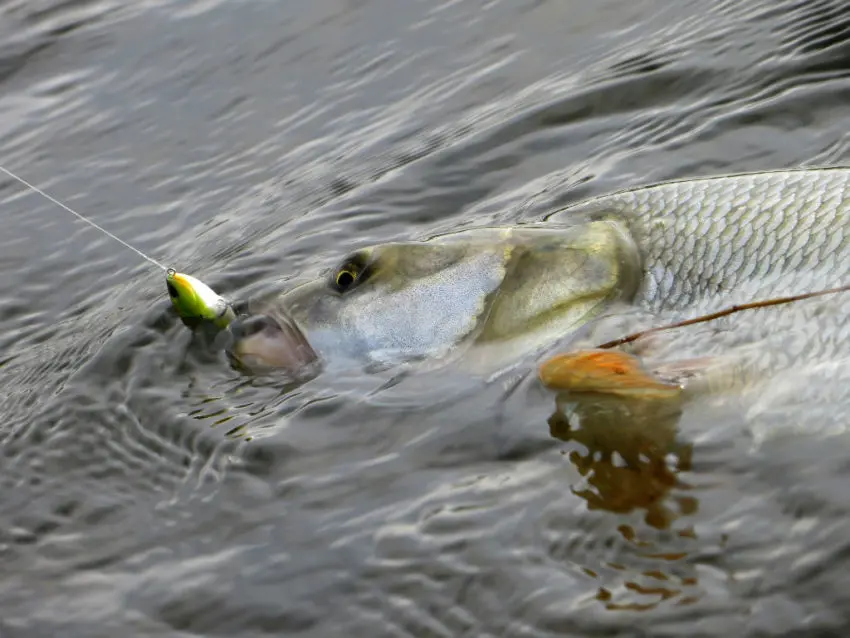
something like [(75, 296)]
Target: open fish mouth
[(263, 342)]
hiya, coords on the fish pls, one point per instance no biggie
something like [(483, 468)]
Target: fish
[(494, 295)]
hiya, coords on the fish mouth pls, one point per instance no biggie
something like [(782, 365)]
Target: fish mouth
[(262, 343)]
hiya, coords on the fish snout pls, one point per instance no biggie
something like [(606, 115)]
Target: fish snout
[(263, 342)]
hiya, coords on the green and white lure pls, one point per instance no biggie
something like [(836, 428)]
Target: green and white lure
[(194, 300)]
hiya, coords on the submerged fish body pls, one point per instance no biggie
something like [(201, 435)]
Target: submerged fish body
[(676, 249), (710, 243)]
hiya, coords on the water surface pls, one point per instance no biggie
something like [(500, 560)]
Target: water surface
[(150, 490)]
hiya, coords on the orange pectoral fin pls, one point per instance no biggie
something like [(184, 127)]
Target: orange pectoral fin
[(605, 372)]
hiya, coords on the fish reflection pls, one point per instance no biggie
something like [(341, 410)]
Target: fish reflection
[(633, 461), (633, 457)]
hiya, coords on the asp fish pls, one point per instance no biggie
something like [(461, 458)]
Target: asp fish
[(679, 248)]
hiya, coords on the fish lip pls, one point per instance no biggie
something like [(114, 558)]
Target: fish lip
[(271, 343)]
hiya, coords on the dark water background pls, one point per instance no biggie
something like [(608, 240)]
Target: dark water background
[(147, 489)]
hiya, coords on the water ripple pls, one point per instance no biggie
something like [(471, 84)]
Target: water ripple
[(150, 488)]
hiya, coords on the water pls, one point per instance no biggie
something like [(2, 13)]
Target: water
[(150, 490)]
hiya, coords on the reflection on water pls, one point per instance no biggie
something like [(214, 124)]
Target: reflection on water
[(632, 460)]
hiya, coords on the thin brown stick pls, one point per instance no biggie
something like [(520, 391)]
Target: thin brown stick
[(722, 313)]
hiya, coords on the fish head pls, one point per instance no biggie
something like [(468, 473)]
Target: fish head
[(400, 302)]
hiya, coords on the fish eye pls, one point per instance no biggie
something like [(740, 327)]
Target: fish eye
[(344, 278), (352, 271)]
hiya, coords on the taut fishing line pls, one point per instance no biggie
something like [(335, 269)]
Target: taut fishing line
[(82, 217)]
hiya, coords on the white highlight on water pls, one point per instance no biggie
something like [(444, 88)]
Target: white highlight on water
[(82, 218)]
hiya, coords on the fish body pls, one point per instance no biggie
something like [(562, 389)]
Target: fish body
[(651, 254), (706, 244), (713, 241)]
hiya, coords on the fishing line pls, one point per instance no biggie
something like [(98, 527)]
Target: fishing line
[(82, 217)]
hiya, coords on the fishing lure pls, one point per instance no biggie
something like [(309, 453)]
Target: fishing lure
[(195, 301)]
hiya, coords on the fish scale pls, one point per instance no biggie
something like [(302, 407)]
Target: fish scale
[(775, 233)]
